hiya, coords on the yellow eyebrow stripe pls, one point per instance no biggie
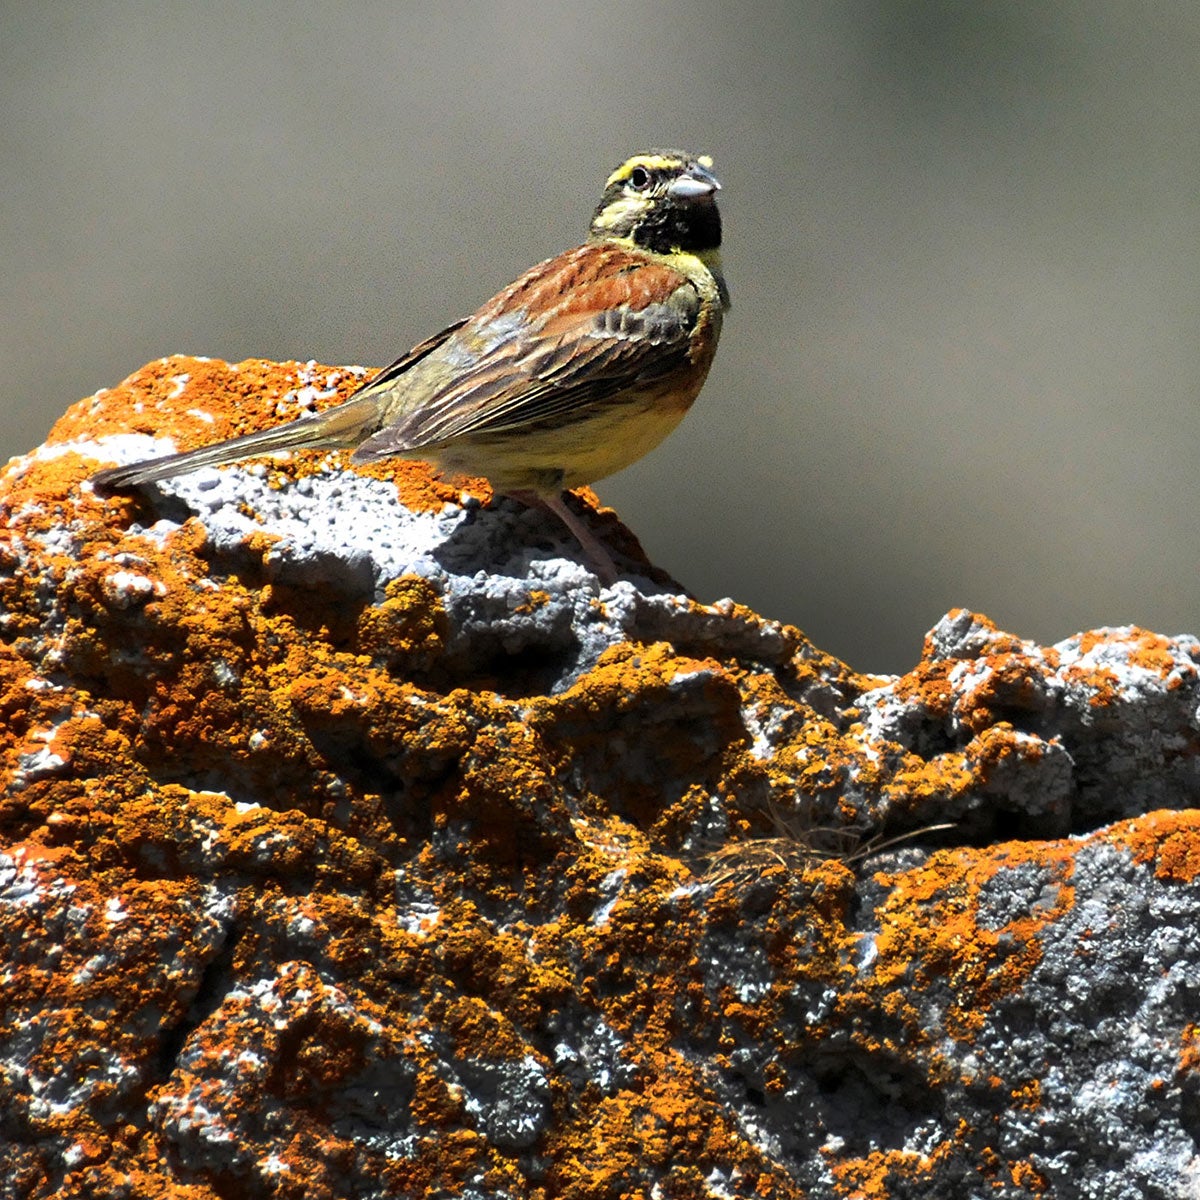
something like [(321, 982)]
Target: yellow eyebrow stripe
[(651, 162)]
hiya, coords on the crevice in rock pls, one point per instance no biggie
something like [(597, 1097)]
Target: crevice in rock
[(932, 738), (535, 669), (215, 982), (344, 745), (162, 504), (1189, 1108), (874, 1102)]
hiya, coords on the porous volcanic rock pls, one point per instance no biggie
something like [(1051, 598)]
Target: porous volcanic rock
[(355, 843)]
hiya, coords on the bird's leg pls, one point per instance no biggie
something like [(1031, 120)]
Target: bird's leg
[(593, 549)]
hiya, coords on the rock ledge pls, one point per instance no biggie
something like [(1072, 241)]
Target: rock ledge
[(355, 842)]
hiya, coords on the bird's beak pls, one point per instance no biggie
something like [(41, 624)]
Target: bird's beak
[(696, 183)]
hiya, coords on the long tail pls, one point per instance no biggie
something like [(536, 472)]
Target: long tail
[(341, 426)]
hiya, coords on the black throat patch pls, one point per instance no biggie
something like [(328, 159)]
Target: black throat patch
[(693, 226)]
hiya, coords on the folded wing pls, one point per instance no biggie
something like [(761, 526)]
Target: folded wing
[(607, 322)]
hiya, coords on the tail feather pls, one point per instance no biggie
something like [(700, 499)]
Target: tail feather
[(341, 426)]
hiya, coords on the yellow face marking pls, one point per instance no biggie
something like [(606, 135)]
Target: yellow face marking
[(650, 162), (620, 213)]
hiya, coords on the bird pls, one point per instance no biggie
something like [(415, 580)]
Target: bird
[(576, 369)]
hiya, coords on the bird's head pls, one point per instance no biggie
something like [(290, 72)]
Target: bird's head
[(662, 200)]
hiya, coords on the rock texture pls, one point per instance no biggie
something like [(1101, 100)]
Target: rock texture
[(355, 843)]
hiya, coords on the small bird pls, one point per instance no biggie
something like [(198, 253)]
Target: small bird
[(572, 372)]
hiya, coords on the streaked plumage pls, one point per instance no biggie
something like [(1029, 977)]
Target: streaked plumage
[(572, 372)]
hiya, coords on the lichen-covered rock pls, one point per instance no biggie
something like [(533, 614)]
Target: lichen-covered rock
[(355, 843)]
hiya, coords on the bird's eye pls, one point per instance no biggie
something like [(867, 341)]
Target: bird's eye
[(639, 178)]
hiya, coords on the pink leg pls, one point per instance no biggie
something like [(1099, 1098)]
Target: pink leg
[(593, 549)]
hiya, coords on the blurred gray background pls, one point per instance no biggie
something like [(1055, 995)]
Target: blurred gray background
[(962, 240)]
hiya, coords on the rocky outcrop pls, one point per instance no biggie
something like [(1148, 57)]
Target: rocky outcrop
[(355, 843)]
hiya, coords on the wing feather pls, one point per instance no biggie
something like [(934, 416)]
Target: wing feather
[(390, 374), (573, 332)]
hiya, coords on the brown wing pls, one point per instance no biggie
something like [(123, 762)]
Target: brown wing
[(572, 332)]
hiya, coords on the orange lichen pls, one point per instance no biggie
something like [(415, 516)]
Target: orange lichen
[(669, 1128), (870, 1178), (929, 930), (296, 879), (1027, 1176), (537, 599), (1189, 1051), (1139, 648), (198, 401), (1170, 840)]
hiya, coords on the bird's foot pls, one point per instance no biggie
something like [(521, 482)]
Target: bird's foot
[(594, 550)]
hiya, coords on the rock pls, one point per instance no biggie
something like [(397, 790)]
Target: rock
[(354, 842)]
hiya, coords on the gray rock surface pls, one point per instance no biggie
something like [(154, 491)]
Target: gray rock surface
[(351, 847)]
